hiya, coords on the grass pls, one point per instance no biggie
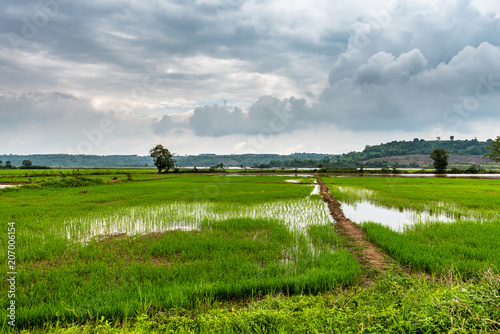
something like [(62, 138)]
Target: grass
[(35, 176), (468, 245), (118, 248), (234, 259), (395, 303)]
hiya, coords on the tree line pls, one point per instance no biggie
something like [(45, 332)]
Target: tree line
[(296, 160)]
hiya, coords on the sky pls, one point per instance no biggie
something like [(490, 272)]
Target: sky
[(245, 76)]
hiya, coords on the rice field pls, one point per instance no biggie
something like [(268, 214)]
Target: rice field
[(105, 174), (115, 250), (169, 246), (297, 215), (465, 240)]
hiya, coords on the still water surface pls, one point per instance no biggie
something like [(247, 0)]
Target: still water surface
[(7, 185), (365, 211)]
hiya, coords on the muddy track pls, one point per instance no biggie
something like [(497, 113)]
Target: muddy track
[(367, 253)]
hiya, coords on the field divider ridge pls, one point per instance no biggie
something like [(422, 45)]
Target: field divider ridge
[(368, 254)]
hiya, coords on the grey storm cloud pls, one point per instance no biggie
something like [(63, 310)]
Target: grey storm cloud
[(107, 49), (383, 68), (416, 96), (410, 75), (44, 109), (385, 93), (130, 34), (55, 119), (268, 114), (216, 120)]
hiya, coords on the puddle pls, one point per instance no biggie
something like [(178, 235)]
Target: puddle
[(316, 190), (474, 176), (366, 211), (104, 231), (8, 185), (292, 181), (296, 214), (451, 176), (285, 175), (354, 191)]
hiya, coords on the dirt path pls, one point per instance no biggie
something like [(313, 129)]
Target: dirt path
[(368, 254), (114, 181)]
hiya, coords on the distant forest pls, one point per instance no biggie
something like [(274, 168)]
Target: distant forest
[(297, 160)]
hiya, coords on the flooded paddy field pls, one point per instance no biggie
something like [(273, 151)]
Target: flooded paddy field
[(96, 248), (432, 224), (208, 252)]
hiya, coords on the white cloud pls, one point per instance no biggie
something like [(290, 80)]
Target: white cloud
[(385, 68)]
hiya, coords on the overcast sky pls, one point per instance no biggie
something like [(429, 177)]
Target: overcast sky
[(245, 76)]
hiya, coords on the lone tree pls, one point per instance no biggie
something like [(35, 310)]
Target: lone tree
[(494, 149), (162, 158), (27, 163), (440, 157)]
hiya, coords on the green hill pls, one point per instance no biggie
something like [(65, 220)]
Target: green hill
[(422, 147)]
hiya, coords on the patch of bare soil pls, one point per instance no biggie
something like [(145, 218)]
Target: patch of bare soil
[(111, 236), (368, 253), (158, 178), (109, 202), (115, 180)]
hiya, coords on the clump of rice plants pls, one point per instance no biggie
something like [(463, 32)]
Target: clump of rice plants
[(469, 247), (296, 214), (71, 182)]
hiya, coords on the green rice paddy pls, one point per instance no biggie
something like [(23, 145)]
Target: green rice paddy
[(470, 245), (111, 250), (118, 248)]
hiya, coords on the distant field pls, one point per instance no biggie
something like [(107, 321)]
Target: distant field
[(86, 249), (426, 160), (106, 174)]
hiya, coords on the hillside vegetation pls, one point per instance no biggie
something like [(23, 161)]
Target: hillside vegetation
[(371, 156)]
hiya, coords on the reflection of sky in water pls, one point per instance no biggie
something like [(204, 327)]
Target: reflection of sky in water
[(7, 185), (458, 176), (316, 190), (366, 211), (297, 214)]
